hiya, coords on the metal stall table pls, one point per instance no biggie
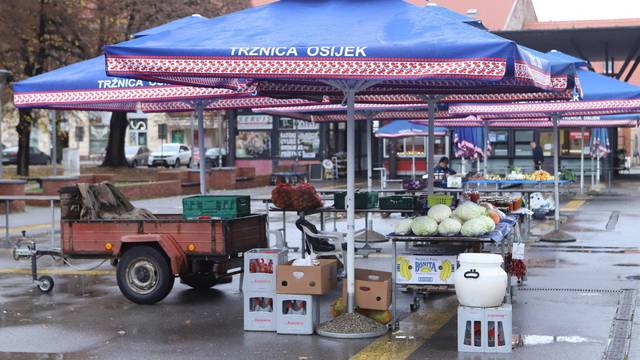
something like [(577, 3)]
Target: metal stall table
[(504, 241)]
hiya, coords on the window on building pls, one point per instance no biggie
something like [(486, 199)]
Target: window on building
[(407, 147), (522, 145), (499, 140), (571, 139)]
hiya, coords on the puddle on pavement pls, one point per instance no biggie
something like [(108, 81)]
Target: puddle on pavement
[(532, 340), (627, 264), (632, 277), (547, 263)]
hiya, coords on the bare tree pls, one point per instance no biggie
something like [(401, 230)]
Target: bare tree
[(41, 35)]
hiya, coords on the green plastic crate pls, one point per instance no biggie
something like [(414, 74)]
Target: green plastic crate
[(363, 200), (398, 202), (439, 199), (216, 206)]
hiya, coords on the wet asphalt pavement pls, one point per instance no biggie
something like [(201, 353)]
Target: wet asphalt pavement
[(563, 311)]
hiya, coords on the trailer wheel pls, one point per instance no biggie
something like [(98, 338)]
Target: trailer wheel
[(200, 281), (144, 275), (45, 284)]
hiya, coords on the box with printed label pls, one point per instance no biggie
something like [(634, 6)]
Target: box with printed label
[(425, 269), (372, 289), (307, 280), (260, 268), (296, 314), (259, 311)]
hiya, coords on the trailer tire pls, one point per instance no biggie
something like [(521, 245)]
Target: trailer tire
[(144, 275), (200, 281)]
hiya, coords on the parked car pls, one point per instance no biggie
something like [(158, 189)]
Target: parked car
[(213, 156), (36, 157), (136, 155), (170, 155)]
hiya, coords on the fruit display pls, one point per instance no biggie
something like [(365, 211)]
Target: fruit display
[(539, 175)]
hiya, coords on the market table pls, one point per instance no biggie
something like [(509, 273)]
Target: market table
[(502, 236)]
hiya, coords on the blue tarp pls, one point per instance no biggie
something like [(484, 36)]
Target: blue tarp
[(301, 39), (406, 128), (595, 86)]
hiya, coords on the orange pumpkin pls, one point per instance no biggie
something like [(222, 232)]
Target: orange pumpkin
[(494, 216)]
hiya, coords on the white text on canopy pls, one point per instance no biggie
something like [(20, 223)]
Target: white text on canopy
[(314, 51)]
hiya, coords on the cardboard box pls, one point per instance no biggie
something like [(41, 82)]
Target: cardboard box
[(372, 289), (260, 268), (259, 311), (425, 269), (307, 280), (296, 314)]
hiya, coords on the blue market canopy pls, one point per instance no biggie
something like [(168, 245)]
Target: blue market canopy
[(406, 128), (85, 86), (599, 95), (294, 46)]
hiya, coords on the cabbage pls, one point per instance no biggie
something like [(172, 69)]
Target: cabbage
[(454, 217), (449, 227), (424, 226), (439, 212), (474, 227), (490, 224), (469, 210), (403, 227)]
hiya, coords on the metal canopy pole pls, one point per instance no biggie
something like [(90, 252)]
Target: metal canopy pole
[(54, 146), (426, 160), (200, 111), (413, 158), (369, 152), (351, 215), (556, 235), (432, 118), (192, 140), (485, 139), (4, 75), (220, 142), (582, 160)]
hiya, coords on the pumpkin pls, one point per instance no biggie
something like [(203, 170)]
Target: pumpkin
[(494, 216)]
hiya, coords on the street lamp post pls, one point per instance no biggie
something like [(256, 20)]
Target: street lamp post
[(4, 76)]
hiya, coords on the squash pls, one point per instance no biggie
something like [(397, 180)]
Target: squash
[(494, 216)]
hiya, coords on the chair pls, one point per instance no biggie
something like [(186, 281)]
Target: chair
[(322, 243)]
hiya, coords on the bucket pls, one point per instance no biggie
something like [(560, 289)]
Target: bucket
[(480, 281)]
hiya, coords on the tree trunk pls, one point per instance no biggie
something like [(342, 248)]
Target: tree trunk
[(114, 156), (24, 135)]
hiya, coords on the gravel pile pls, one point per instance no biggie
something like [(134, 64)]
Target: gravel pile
[(352, 324)]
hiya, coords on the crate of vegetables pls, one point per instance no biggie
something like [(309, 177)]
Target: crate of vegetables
[(398, 202), (363, 200)]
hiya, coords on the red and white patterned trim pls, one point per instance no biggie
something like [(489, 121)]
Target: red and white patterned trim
[(256, 102), (534, 123), (571, 108), (306, 67), (137, 94)]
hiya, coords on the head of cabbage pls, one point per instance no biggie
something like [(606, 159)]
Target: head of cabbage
[(474, 227), (490, 225), (439, 212), (424, 226), (449, 227), (469, 210), (403, 227)]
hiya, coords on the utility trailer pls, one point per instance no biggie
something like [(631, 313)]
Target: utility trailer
[(150, 253)]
